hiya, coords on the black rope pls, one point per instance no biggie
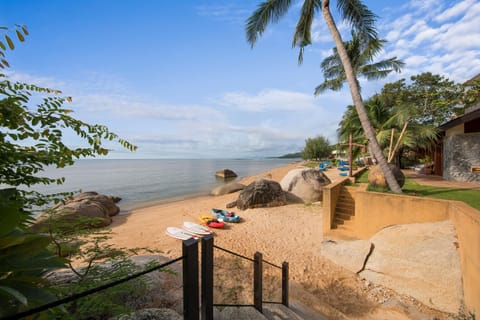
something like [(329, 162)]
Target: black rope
[(87, 292), (273, 265), (234, 253)]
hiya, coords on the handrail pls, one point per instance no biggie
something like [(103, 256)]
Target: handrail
[(88, 292), (234, 253)]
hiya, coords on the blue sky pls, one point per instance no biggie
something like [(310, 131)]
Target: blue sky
[(179, 80)]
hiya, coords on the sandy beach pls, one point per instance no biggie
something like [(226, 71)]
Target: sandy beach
[(290, 233)]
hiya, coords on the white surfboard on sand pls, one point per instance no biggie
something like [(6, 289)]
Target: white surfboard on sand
[(180, 233), (196, 228)]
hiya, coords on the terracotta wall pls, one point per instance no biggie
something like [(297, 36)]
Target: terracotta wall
[(375, 211), (467, 223)]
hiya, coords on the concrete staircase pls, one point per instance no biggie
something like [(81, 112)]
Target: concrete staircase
[(344, 217)]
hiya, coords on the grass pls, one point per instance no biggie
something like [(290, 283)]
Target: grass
[(412, 188)]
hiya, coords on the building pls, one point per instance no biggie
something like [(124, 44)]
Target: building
[(460, 154)]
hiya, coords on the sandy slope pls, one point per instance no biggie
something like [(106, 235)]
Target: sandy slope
[(289, 233)]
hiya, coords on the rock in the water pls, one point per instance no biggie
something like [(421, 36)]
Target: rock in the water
[(351, 255), (227, 188), (83, 205), (261, 193), (377, 179), (419, 260), (307, 184), (225, 174)]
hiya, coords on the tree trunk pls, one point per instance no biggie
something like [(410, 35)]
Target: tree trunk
[(357, 99)]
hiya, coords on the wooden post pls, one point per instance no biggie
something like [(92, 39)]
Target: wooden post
[(350, 155), (257, 281), (207, 278), (190, 279), (285, 283)]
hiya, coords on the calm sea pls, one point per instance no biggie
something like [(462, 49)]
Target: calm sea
[(145, 182)]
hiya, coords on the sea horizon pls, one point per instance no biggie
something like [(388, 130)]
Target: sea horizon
[(146, 182)]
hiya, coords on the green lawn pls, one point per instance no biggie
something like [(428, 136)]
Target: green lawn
[(469, 196)]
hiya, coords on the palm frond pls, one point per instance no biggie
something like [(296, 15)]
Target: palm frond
[(333, 84), (302, 36), (359, 17), (267, 12)]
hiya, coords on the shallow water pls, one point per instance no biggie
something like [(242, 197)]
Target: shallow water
[(143, 182)]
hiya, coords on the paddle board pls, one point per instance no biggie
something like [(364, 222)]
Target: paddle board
[(179, 233), (196, 228)]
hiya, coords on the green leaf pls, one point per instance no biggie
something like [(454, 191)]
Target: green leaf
[(20, 36), (10, 208), (25, 31), (14, 293), (2, 46), (9, 42)]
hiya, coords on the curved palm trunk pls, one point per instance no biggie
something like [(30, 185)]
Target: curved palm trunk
[(357, 99)]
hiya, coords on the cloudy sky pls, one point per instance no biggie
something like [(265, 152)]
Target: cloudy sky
[(179, 80)]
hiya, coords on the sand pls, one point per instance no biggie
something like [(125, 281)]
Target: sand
[(290, 233)]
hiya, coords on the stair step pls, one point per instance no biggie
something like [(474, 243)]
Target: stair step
[(344, 216), (237, 313), (279, 312), (343, 206)]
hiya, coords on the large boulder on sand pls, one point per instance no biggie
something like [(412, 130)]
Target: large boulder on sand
[(420, 260), (97, 208), (227, 188), (377, 179), (261, 193), (307, 184)]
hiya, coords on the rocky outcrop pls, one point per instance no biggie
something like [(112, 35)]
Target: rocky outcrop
[(227, 188), (306, 184), (351, 255), (377, 179), (261, 193), (225, 174), (420, 260), (97, 208)]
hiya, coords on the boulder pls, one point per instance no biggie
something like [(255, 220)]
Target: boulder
[(261, 193), (307, 184), (83, 205), (420, 260), (227, 188), (377, 179), (351, 255), (225, 174)]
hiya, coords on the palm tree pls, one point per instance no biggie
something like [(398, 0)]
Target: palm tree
[(362, 21), (361, 55)]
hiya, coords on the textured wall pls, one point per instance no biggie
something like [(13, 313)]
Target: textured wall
[(461, 152)]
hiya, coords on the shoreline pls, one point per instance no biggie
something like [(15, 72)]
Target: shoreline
[(291, 233), (243, 180)]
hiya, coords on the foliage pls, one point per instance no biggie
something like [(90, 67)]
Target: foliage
[(316, 148), (471, 92), (411, 187), (24, 259), (33, 122), (361, 54)]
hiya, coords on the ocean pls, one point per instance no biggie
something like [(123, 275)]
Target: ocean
[(141, 183)]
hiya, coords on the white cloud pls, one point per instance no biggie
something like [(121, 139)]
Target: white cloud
[(268, 100), (456, 10)]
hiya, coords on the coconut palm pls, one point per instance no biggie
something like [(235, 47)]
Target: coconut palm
[(361, 55), (362, 21)]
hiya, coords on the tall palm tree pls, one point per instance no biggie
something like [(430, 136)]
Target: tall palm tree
[(361, 56), (362, 21)]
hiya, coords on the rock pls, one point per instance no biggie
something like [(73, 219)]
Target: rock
[(307, 184), (225, 174), (419, 260), (231, 204), (261, 193), (151, 314), (351, 255), (376, 178), (227, 188), (83, 205)]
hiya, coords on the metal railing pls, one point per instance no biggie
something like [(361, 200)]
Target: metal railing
[(207, 278), (191, 289)]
